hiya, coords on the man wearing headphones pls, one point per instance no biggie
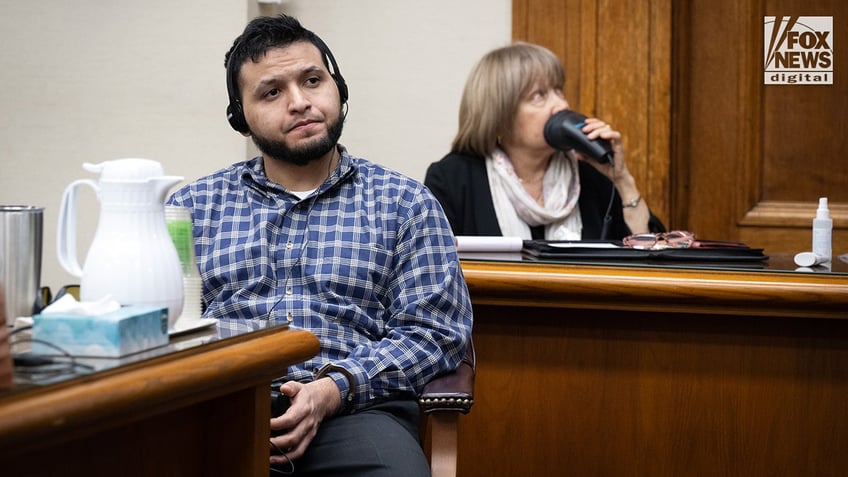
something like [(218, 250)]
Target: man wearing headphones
[(311, 235)]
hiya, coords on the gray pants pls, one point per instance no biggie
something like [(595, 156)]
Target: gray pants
[(381, 440)]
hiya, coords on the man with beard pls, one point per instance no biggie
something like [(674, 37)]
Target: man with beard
[(311, 235)]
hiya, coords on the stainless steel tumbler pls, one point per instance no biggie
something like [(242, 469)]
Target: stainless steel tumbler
[(20, 258)]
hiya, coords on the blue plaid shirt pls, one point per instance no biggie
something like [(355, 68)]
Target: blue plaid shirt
[(366, 262)]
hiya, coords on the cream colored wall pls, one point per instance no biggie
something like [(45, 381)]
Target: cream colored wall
[(89, 80)]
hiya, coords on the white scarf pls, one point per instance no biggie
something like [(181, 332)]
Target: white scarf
[(517, 211)]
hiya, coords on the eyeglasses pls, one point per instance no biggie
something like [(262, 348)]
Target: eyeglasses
[(661, 241)]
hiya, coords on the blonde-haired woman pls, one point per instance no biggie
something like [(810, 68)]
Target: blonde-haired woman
[(501, 176)]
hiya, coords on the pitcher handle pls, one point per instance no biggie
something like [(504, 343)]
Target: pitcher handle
[(66, 240)]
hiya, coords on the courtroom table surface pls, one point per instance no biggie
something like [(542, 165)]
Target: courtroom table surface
[(656, 369), (774, 288), (199, 406)]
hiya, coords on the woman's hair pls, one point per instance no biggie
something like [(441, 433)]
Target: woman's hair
[(494, 90)]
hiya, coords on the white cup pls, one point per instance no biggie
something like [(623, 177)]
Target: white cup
[(180, 228)]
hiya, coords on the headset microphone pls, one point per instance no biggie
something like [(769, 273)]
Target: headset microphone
[(564, 131)]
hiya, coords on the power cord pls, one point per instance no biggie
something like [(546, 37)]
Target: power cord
[(608, 214), (37, 367)]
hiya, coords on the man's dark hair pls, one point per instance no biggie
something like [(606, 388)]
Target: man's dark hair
[(265, 33)]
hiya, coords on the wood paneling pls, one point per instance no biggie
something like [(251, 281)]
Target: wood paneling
[(751, 159), (617, 62), (631, 372), (713, 149)]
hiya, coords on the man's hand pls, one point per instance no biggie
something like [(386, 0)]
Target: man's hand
[(310, 404)]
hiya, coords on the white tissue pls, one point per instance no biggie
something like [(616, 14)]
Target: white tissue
[(68, 305)]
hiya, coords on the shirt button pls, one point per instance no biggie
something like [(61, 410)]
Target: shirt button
[(290, 317), (289, 245), (288, 291)]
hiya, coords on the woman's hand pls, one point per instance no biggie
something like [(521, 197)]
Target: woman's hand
[(617, 172), (594, 129), (636, 216)]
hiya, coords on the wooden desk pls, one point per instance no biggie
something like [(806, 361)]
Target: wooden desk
[(610, 371), (199, 412)]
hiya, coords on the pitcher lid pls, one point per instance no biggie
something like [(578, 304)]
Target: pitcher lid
[(126, 169)]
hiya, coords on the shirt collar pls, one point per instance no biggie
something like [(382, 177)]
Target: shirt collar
[(253, 173)]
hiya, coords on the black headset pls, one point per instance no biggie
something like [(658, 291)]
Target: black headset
[(235, 112)]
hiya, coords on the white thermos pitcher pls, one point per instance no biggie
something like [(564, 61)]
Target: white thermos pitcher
[(132, 257)]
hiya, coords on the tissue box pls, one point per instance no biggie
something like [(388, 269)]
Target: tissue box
[(129, 329)]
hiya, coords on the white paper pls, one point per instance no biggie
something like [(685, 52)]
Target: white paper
[(468, 243), (584, 245)]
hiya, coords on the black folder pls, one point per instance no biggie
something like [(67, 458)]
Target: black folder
[(707, 251)]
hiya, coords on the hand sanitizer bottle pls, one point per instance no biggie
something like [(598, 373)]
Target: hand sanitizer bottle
[(822, 230)]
